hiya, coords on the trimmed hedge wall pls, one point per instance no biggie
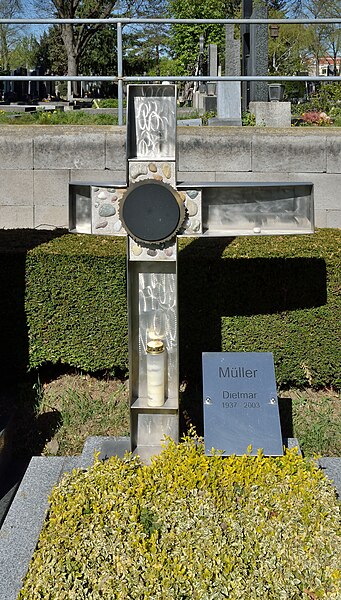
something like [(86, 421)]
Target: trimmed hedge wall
[(76, 303), (279, 294)]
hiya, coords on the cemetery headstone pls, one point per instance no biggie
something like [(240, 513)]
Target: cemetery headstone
[(229, 92), (151, 209), (254, 53)]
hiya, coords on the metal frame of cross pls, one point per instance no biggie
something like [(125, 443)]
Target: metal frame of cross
[(207, 209)]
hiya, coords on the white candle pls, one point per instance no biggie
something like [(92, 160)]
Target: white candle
[(155, 373)]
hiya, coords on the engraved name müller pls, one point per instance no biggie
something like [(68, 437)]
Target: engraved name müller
[(235, 372)]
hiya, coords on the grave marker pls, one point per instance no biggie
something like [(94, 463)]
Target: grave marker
[(152, 210), (240, 403)]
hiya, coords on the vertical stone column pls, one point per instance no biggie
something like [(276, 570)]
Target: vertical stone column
[(229, 92), (259, 53), (254, 52)]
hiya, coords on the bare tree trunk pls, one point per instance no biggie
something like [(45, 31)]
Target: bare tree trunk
[(4, 47), (72, 66)]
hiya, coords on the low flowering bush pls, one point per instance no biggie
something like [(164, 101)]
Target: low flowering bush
[(316, 118), (190, 527)]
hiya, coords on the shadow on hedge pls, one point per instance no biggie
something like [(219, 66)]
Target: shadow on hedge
[(26, 434), (231, 287)]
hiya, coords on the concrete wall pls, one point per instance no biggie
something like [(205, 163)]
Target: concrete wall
[(37, 163)]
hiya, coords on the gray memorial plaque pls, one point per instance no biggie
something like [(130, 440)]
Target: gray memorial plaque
[(240, 403)]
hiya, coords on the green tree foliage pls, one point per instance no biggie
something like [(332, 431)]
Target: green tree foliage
[(184, 39), (146, 45), (288, 53), (24, 54), (9, 34), (76, 38), (51, 54), (322, 39)]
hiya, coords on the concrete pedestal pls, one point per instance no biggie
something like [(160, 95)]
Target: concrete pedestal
[(271, 114)]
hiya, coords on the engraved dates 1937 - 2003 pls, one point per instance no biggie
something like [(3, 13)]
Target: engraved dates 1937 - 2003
[(241, 404)]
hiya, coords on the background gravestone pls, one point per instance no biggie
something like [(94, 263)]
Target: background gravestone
[(254, 53)]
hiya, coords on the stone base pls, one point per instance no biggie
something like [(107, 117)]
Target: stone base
[(271, 114), (189, 122), (216, 122)]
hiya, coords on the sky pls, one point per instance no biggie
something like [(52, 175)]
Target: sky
[(29, 12)]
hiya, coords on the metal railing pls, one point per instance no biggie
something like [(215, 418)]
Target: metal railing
[(120, 78)]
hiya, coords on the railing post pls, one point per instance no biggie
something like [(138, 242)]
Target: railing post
[(120, 73)]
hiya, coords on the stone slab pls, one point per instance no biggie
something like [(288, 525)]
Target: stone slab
[(106, 446), (115, 150), (51, 217), (331, 467), (98, 177), (69, 148), (193, 176), (271, 114), (16, 148), (189, 123), (16, 217), (333, 218), (21, 528), (293, 152), (334, 154), (218, 150), (320, 217), (18, 108), (229, 100), (218, 122), (51, 187), (16, 188)]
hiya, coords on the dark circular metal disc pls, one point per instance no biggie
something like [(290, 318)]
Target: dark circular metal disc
[(151, 211)]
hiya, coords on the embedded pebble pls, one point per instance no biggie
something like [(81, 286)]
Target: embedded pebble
[(137, 170), (152, 167), (114, 197), (151, 252), (107, 210), (158, 177), (117, 226), (192, 193), (95, 189), (102, 195), (96, 204), (191, 208), (166, 170), (112, 190), (169, 251), (194, 224), (136, 250), (101, 225)]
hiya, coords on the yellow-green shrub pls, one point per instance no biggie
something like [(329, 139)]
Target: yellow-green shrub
[(190, 527)]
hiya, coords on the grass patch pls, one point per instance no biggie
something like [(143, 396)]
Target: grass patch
[(86, 406), (76, 117), (190, 527), (56, 417), (317, 421)]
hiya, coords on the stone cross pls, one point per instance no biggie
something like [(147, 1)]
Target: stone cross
[(152, 210)]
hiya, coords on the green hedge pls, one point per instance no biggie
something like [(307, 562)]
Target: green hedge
[(76, 303), (278, 294)]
